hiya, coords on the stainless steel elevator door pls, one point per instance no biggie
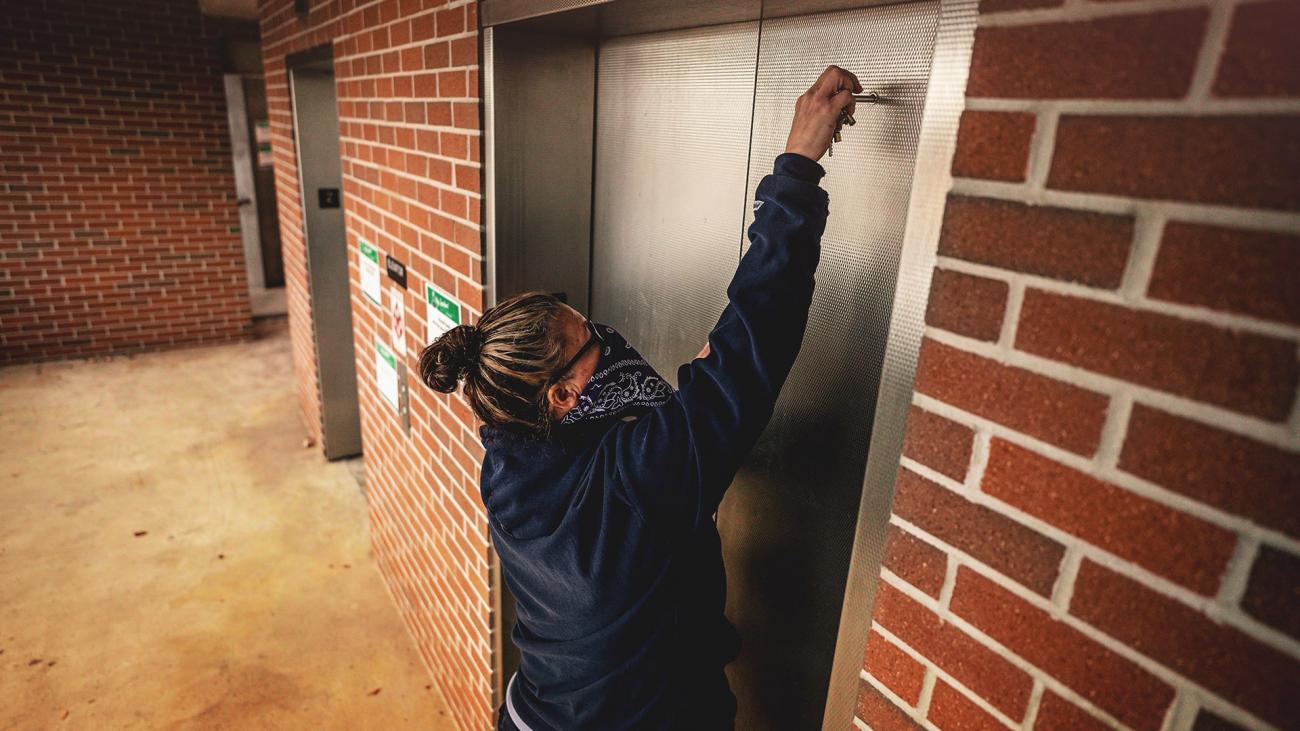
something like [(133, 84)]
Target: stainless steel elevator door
[(675, 168), (788, 521), (316, 136), (672, 139)]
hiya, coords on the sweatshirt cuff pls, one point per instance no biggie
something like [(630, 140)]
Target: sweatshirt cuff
[(798, 166)]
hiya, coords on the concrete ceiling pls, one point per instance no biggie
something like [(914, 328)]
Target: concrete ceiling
[(246, 9)]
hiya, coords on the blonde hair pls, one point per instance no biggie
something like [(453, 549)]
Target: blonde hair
[(505, 361)]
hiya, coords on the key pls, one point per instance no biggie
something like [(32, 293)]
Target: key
[(845, 117), (870, 97)]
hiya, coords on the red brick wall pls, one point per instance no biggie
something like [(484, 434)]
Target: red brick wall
[(118, 226), (406, 75), (1097, 523)]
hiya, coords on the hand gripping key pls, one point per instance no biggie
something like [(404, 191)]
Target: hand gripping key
[(870, 97)]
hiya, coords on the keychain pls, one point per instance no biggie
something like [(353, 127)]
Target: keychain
[(845, 118), (870, 97)]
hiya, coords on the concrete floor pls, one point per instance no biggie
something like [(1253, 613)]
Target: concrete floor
[(172, 557)]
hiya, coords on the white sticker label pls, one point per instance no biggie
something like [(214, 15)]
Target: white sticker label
[(369, 259), (386, 374), (444, 311), (397, 320)]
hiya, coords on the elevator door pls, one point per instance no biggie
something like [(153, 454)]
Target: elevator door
[(788, 521), (672, 139), (316, 134), (687, 123)]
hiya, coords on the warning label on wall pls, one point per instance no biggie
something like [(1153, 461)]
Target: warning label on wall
[(444, 311), (386, 374), (397, 320), (369, 259)]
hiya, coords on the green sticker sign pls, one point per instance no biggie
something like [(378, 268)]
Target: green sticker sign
[(386, 373), (369, 261), (443, 311)]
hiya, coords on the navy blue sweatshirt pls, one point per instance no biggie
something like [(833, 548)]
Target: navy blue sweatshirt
[(605, 531)]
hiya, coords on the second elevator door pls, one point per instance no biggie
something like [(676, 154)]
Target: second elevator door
[(687, 123)]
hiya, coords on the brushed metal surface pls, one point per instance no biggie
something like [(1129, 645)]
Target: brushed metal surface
[(931, 180), (539, 124), (672, 134), (608, 18), (504, 652), (316, 137), (788, 522), (488, 75)]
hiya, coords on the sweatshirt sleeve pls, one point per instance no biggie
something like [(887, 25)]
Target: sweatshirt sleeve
[(677, 460)]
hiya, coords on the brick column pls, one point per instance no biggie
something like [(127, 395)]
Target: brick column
[(406, 78), (1096, 522)]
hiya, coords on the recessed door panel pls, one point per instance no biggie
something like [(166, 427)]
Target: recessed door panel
[(788, 521), (672, 139), (541, 185)]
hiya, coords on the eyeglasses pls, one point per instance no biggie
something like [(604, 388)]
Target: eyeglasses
[(596, 337)]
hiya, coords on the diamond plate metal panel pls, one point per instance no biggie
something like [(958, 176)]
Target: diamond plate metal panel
[(672, 137), (931, 180), (788, 523)]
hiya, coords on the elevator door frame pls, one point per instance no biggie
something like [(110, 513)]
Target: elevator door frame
[(242, 151), (931, 181), (326, 252)]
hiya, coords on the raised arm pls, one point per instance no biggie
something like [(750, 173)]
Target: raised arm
[(677, 461)]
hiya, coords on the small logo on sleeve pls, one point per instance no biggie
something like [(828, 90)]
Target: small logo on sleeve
[(757, 205)]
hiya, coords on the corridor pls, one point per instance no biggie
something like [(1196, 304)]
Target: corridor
[(172, 557)]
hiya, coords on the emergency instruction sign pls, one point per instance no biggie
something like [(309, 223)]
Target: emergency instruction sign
[(369, 258), (386, 374), (397, 320), (444, 312)]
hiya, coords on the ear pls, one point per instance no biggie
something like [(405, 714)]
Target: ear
[(561, 397)]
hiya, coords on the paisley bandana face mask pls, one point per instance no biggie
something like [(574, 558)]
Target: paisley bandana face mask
[(623, 384)]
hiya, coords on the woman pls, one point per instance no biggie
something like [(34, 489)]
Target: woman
[(600, 481)]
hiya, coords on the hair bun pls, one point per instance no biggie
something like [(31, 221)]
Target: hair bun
[(450, 358)]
